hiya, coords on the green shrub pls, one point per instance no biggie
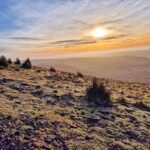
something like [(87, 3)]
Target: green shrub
[(27, 64), (17, 62), (3, 61), (98, 94)]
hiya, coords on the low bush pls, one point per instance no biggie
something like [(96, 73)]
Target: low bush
[(79, 74), (9, 61), (52, 69), (98, 94), (3, 61), (17, 62), (27, 64)]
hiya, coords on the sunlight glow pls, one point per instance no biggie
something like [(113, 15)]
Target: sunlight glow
[(99, 32)]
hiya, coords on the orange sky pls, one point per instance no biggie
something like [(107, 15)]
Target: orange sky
[(51, 28)]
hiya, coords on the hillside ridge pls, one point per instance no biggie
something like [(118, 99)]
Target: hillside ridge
[(43, 109)]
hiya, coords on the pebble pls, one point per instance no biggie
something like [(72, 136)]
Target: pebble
[(93, 119)]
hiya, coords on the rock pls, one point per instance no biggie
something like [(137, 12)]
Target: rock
[(16, 86), (29, 121), (88, 137), (50, 100), (72, 117), (97, 129), (23, 114), (55, 91), (38, 87), (17, 102), (71, 103), (2, 91), (83, 113), (56, 96), (105, 112), (63, 113), (12, 146), (37, 93), (17, 133), (1, 80), (113, 117), (45, 147), (67, 97), (132, 134), (49, 138), (93, 119)]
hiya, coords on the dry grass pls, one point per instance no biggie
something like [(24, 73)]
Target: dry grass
[(66, 118), (142, 105)]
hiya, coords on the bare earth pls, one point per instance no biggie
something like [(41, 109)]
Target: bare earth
[(42, 110), (129, 66)]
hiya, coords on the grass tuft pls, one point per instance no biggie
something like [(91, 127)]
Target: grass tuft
[(98, 94)]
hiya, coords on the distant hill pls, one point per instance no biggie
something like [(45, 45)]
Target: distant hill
[(127, 66)]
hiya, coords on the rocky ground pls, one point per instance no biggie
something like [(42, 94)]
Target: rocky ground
[(46, 110)]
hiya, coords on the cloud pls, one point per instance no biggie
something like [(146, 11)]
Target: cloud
[(37, 23), (73, 42), (114, 37), (25, 38)]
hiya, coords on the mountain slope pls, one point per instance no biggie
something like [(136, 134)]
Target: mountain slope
[(40, 109)]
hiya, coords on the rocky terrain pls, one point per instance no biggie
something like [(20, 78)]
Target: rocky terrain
[(47, 110)]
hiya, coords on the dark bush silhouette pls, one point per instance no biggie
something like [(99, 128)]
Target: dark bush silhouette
[(52, 69), (27, 64), (3, 61), (17, 62), (9, 61), (98, 94), (79, 74)]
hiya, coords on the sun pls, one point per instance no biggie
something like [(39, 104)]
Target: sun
[(99, 32)]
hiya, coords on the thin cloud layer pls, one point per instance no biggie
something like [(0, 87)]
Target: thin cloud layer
[(27, 25)]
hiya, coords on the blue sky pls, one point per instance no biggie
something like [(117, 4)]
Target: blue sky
[(37, 27)]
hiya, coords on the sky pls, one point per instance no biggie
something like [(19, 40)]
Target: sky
[(45, 28)]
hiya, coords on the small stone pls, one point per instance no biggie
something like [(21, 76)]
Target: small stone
[(17, 133), (17, 102), (71, 103), (38, 87), (88, 137), (113, 117), (72, 116), (63, 113), (50, 100), (55, 91), (12, 146), (23, 114), (93, 119)]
